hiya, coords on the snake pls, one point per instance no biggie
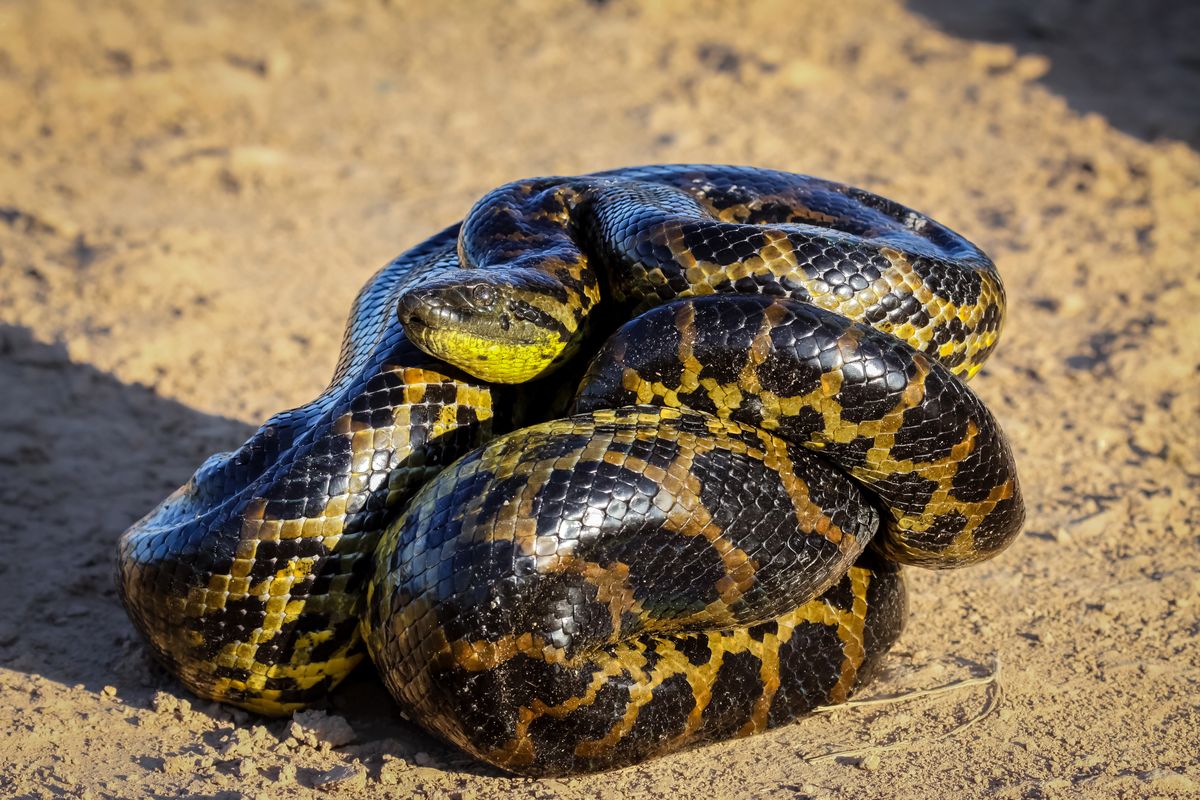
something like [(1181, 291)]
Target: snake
[(622, 464)]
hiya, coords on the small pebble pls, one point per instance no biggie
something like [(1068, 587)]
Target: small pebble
[(390, 772), (1170, 781), (346, 777), (317, 729), (176, 764), (164, 703), (869, 762), (238, 743)]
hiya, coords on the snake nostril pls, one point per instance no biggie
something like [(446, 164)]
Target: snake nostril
[(417, 307), (406, 307)]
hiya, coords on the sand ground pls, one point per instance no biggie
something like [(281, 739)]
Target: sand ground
[(191, 194)]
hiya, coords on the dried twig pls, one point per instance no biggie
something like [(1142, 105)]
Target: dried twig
[(992, 681)]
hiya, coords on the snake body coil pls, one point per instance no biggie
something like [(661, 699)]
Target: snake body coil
[(685, 558)]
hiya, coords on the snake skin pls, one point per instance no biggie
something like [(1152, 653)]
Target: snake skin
[(896, 420), (651, 234), (706, 549), (248, 580)]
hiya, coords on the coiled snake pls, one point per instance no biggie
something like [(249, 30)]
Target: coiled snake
[(683, 559)]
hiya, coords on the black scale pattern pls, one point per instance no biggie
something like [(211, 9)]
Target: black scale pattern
[(572, 563)]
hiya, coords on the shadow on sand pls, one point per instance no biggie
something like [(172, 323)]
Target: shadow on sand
[(1137, 64), (83, 456)]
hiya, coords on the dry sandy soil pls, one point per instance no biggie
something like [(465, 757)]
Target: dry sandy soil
[(190, 195)]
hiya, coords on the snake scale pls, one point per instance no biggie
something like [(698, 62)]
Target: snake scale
[(702, 542)]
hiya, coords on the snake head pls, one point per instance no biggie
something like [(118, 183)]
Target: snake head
[(505, 328)]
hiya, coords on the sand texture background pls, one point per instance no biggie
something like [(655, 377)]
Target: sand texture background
[(191, 195)]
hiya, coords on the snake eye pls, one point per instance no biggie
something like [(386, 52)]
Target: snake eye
[(483, 297)]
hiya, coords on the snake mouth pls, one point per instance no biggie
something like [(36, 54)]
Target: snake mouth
[(484, 327), (487, 358), (418, 309), (427, 327)]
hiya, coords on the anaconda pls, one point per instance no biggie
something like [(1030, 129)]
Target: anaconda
[(685, 559)]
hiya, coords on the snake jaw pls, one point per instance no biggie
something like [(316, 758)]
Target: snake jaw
[(489, 359), (504, 328)]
